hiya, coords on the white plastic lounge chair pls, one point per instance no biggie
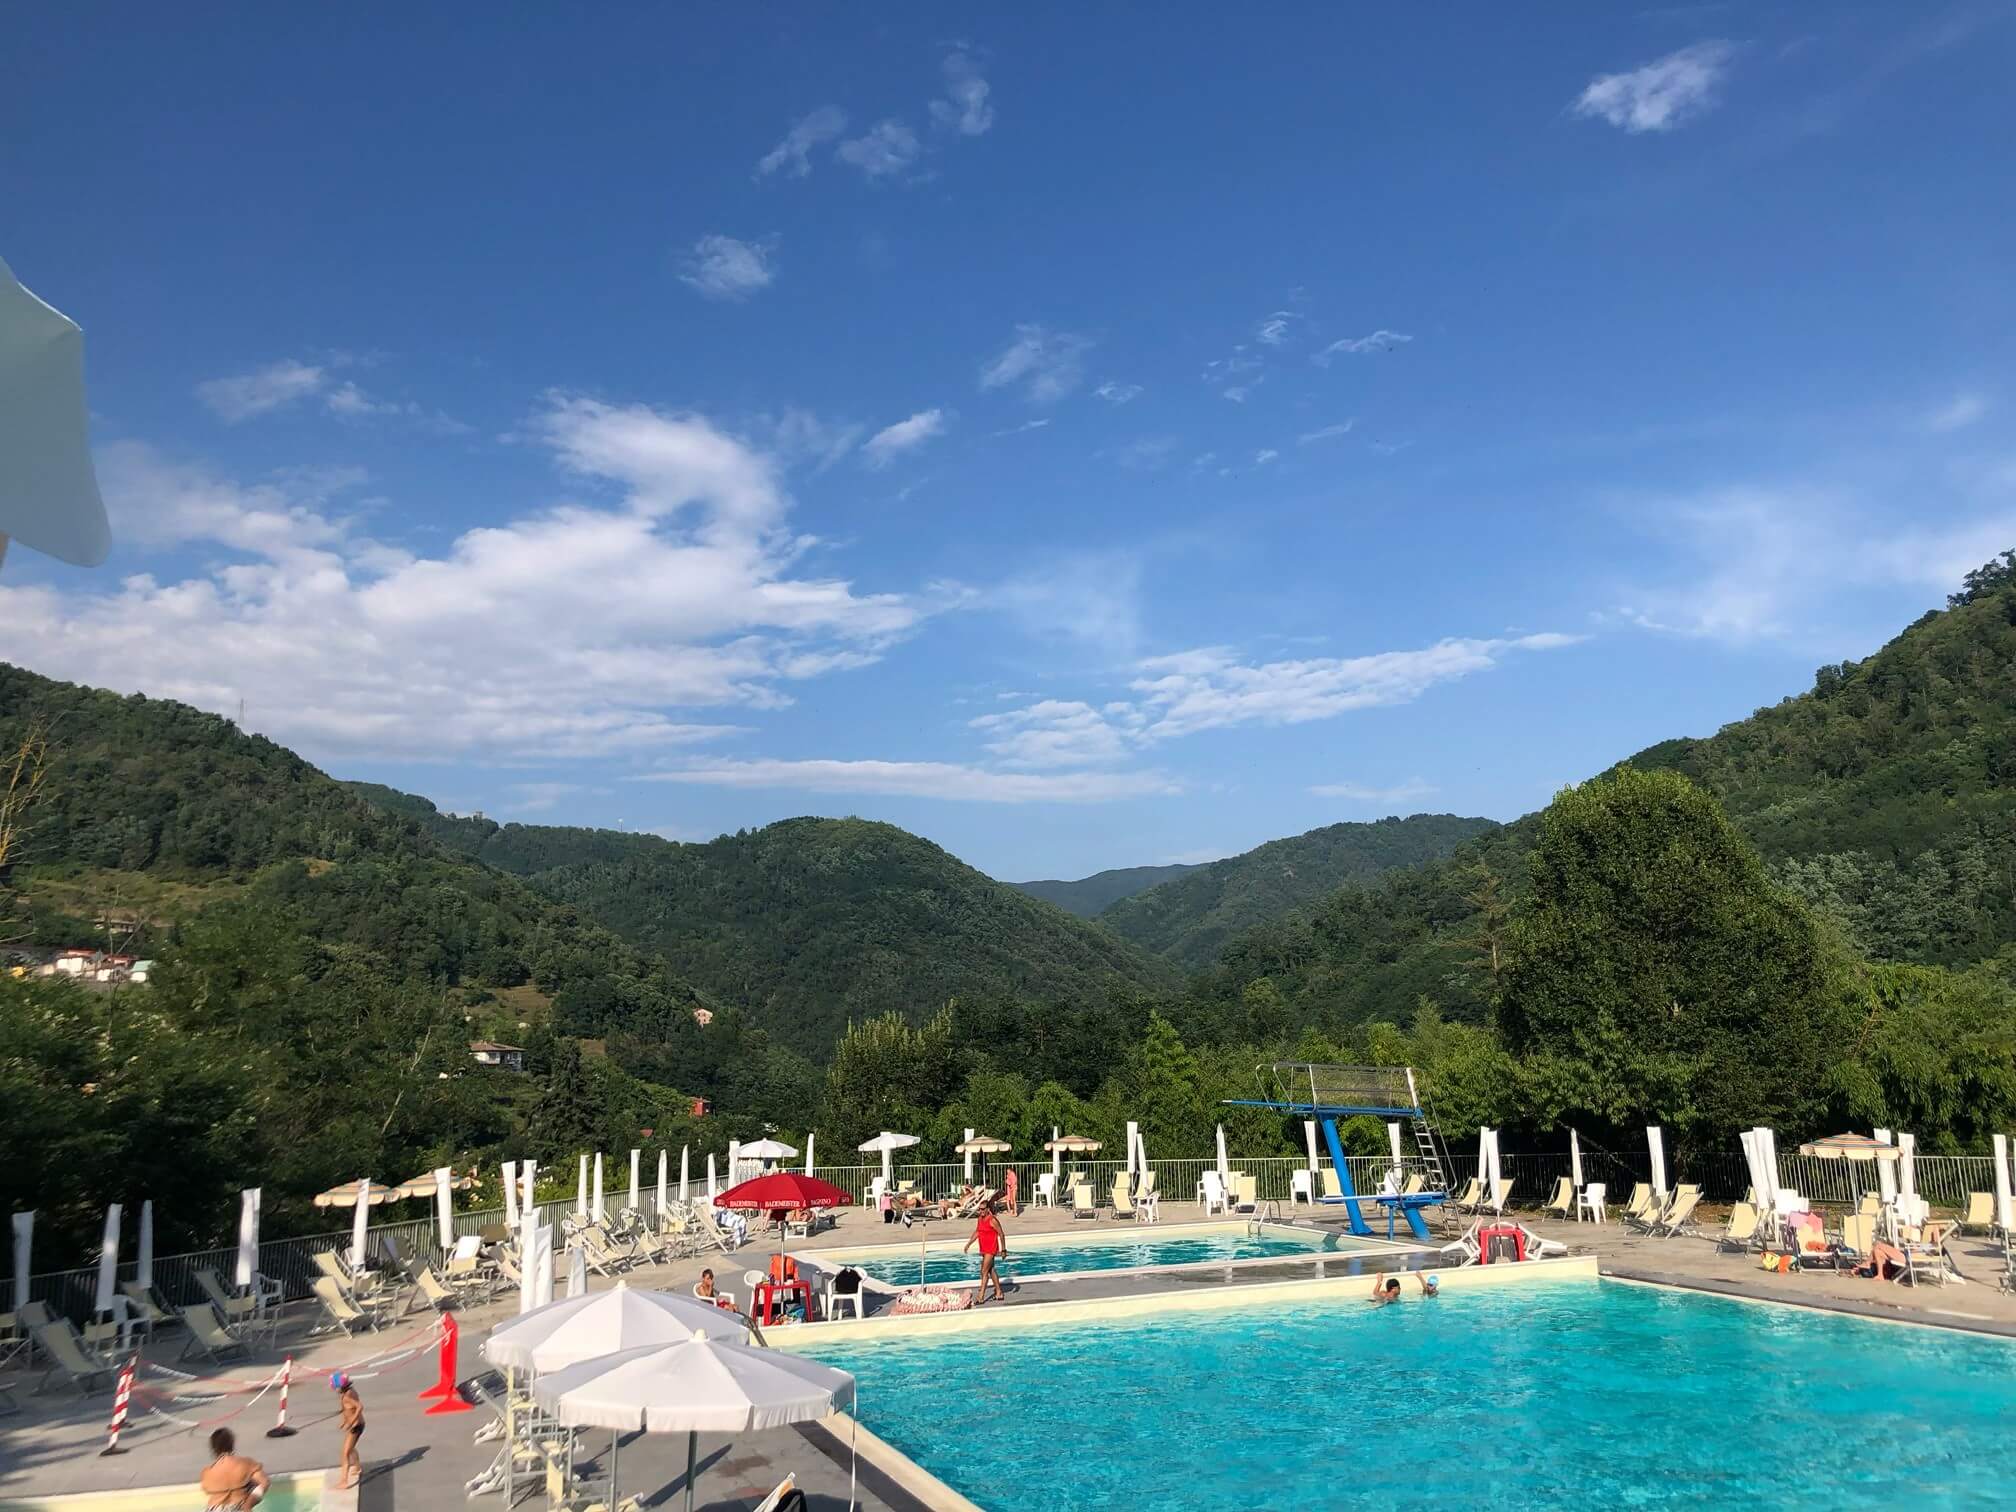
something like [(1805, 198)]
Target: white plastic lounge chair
[(1214, 1199)]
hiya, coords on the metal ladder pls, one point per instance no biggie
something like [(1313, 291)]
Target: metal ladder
[(1434, 1174)]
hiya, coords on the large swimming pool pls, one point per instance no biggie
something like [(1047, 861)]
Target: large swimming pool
[(1562, 1394), (938, 1260)]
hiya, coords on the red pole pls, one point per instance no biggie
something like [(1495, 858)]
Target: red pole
[(119, 1400), (444, 1388), (280, 1429)]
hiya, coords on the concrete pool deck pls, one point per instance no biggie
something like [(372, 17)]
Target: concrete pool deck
[(51, 1446)]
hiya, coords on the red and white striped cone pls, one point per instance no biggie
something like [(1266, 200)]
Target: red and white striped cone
[(119, 1399), (280, 1428)]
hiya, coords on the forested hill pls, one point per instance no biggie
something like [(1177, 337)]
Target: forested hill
[(1190, 920), (811, 922), (1885, 797), (520, 849), (1090, 896)]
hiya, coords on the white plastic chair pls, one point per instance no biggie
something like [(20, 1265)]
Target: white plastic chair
[(1046, 1191), (1301, 1188), (835, 1300), (1592, 1201), (1214, 1199)]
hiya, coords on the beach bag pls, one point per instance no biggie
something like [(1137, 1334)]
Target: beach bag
[(1775, 1262)]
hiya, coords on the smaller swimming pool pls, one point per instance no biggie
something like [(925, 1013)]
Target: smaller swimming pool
[(938, 1260)]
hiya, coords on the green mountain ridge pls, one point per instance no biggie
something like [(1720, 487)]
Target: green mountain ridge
[(1087, 897)]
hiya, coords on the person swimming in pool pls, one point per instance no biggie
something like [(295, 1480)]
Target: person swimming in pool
[(231, 1482), (1386, 1289)]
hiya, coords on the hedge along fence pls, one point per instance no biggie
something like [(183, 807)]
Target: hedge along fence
[(1943, 1180)]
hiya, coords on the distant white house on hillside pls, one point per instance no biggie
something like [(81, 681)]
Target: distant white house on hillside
[(497, 1057)]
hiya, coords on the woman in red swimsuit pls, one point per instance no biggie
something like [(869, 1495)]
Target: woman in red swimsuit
[(993, 1243)]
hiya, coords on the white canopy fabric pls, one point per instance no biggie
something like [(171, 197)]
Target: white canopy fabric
[(48, 493), (2005, 1218), (1224, 1165), (704, 1385), (143, 1271), (360, 1223), (808, 1152), (581, 1328), (528, 1207), (966, 1150), (595, 1208), (444, 1205), (1309, 1138), (712, 1190), (108, 1261), (511, 1195), (685, 1158), (635, 1156), (1393, 1141), (1655, 1141), (581, 1190), (1886, 1173), (537, 1268), (768, 1149), (577, 1271), (1907, 1165), (886, 1144), (664, 1183), (24, 1242), (249, 1202), (1575, 1160)]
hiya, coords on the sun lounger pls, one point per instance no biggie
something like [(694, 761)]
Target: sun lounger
[(1414, 1183), (1331, 1186), (1245, 1192), (14, 1338), (1499, 1200), (1925, 1256), (437, 1296), (1679, 1215), (1741, 1228), (1858, 1239), (69, 1360), (1082, 1203), (1980, 1213), (146, 1306), (209, 1337), (1641, 1199), (344, 1314), (1123, 1205), (1562, 1203), (1465, 1201), (786, 1498)]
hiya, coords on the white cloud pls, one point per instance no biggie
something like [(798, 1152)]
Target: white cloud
[(1239, 391), (272, 387), (1404, 792), (1117, 393), (723, 268), (905, 435), (1326, 433), (965, 109), (793, 156), (1265, 455), (1357, 346), (1661, 95), (1147, 454), (585, 629), (1026, 425), (1053, 733), (1091, 597), (1045, 364), (1958, 413), (924, 779), (1273, 330), (798, 435), (885, 150)]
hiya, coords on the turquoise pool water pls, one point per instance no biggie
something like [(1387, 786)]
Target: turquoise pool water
[(1046, 1258), (1565, 1394)]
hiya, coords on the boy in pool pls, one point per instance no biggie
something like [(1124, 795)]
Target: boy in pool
[(1386, 1289)]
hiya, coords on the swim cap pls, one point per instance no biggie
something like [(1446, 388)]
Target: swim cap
[(1433, 1283), (338, 1380)]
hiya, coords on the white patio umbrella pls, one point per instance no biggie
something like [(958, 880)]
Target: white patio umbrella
[(809, 1138), (1393, 1143), (1575, 1163), (1886, 1174), (1655, 1140), (886, 1144), (360, 1224), (734, 1161), (1057, 1155), (48, 494), (704, 1385), (711, 1188), (528, 1207), (249, 1203), (511, 1195), (635, 1156), (664, 1185), (581, 1190), (982, 1145), (577, 1271), (24, 1241), (595, 1208), (1309, 1138), (444, 1204), (1907, 1165), (581, 1328), (685, 1158), (143, 1270), (2005, 1218), (1224, 1165), (108, 1261), (1133, 1141), (537, 1267), (966, 1149), (768, 1151), (1496, 1180)]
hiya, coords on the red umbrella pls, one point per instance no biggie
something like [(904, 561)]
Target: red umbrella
[(783, 1190)]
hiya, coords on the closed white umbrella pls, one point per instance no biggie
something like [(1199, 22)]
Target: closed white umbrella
[(577, 1271), (734, 1161), (1393, 1143), (108, 1261), (704, 1385), (48, 494), (249, 1202), (966, 1148), (1907, 1165), (1767, 1141), (24, 1242), (664, 1184), (635, 1157), (712, 1190), (542, 1281), (1575, 1161), (528, 1207), (685, 1159), (511, 1195), (581, 1328), (1655, 1140), (1497, 1182), (2004, 1218), (360, 1223), (581, 1190), (444, 1204), (143, 1271), (528, 1263), (595, 1208), (808, 1152), (1309, 1138), (1057, 1156), (1886, 1175), (1133, 1138)]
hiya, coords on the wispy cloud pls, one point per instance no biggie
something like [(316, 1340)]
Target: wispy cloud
[(262, 391), (1663, 94), (1326, 433), (1359, 346), (1089, 597), (1026, 425), (792, 157), (1239, 392), (1959, 412), (885, 150), (1117, 393), (950, 781), (893, 441), (1045, 364), (723, 268), (1054, 733), (965, 109), (1265, 455), (1273, 329), (1146, 453), (1403, 792)]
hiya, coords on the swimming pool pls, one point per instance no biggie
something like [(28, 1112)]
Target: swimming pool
[(1576, 1394), (300, 1491), (939, 1260)]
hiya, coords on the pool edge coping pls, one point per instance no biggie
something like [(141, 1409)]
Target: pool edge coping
[(877, 1452), (1705, 1286)]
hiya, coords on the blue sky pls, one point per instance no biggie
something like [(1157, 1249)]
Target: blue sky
[(1082, 442)]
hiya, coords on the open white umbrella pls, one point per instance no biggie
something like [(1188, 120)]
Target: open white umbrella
[(581, 1190), (2005, 1218), (982, 1145), (768, 1150), (108, 1261), (886, 1144), (24, 1241), (1655, 1140), (143, 1270), (48, 494), (635, 1155), (511, 1195), (444, 1205), (704, 1385), (580, 1328), (249, 1202)]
